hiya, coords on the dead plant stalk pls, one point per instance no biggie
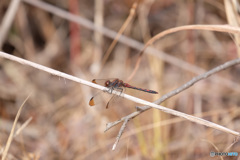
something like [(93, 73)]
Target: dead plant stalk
[(137, 100)]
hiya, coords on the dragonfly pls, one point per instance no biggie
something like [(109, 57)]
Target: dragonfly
[(118, 85)]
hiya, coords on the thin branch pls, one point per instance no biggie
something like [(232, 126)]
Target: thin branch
[(51, 71), (140, 46), (137, 100), (198, 78), (189, 117), (171, 94), (175, 120), (120, 134), (24, 125), (122, 29), (216, 28), (176, 91), (180, 114), (4, 155), (7, 20)]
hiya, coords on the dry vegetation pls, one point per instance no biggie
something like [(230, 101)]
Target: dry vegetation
[(56, 121)]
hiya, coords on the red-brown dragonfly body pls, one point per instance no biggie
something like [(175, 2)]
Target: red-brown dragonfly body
[(117, 84)]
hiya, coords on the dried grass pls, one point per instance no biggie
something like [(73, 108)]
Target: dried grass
[(63, 126)]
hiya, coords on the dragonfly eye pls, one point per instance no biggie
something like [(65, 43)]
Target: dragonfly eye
[(107, 83)]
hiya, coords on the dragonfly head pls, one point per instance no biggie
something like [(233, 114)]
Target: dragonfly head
[(107, 83)]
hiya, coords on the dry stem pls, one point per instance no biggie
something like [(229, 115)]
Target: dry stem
[(11, 136), (171, 94), (139, 46), (137, 100)]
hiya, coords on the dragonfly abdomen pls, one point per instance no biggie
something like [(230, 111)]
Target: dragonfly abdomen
[(141, 89)]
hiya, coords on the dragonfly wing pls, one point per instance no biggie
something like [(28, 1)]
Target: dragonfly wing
[(94, 81), (110, 101), (102, 81), (101, 98), (115, 99), (107, 96), (96, 99), (92, 102)]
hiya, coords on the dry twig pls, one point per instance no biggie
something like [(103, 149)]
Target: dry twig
[(216, 28), (122, 29), (139, 46), (171, 94), (137, 100), (7, 20), (10, 138)]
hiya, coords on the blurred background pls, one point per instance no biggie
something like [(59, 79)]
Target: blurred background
[(64, 126)]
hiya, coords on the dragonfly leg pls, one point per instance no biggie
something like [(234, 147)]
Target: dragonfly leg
[(109, 90), (120, 90)]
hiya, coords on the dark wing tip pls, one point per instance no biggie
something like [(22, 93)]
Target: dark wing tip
[(91, 102), (107, 105), (94, 81)]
